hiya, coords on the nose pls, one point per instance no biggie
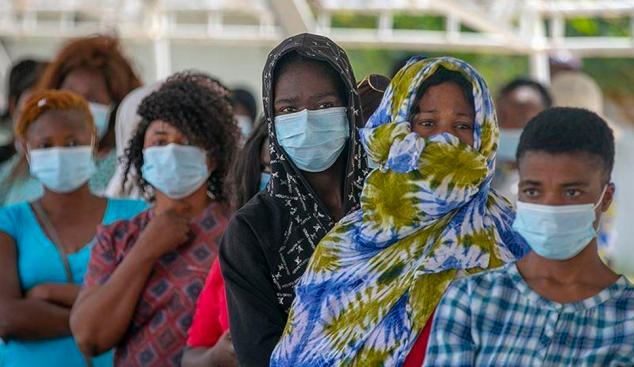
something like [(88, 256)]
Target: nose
[(551, 198)]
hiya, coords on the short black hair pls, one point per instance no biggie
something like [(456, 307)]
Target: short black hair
[(569, 130), (547, 99), (441, 76), (199, 106), (246, 99)]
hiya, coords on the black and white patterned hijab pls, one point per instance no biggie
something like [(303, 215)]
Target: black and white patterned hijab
[(310, 220)]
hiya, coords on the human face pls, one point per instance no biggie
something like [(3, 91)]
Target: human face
[(305, 87), (88, 83), (161, 133), (517, 108), (563, 179), (444, 109), (56, 129)]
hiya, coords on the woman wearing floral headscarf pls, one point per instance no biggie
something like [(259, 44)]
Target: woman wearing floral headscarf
[(427, 217)]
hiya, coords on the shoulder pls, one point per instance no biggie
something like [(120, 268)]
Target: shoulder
[(261, 223), (485, 282), (124, 208), (14, 217)]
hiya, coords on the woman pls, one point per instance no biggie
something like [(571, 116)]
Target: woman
[(23, 79), (45, 245), (316, 177), (209, 339), (96, 69), (146, 273), (427, 216)]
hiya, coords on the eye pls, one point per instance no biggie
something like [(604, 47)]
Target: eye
[(72, 143), (463, 126), (288, 110), (325, 105), (572, 193), (159, 143), (425, 123), (44, 146), (531, 193)]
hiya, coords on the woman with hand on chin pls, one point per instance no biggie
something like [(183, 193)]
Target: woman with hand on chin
[(146, 273), (45, 244)]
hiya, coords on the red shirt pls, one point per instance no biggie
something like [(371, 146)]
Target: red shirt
[(158, 329), (416, 356), (211, 319)]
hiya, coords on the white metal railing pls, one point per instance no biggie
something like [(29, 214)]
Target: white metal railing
[(516, 26)]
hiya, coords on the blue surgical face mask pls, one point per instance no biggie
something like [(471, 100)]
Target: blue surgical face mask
[(62, 170), (101, 115), (557, 232), (175, 170), (313, 140), (509, 141), (265, 177)]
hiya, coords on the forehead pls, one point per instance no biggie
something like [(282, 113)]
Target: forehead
[(445, 94), (82, 79), (523, 95), (160, 126), (561, 168), (54, 122), (304, 78)]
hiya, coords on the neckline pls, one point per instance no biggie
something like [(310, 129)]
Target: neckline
[(48, 241), (598, 299)]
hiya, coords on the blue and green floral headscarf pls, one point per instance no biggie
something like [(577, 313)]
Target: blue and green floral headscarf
[(428, 215)]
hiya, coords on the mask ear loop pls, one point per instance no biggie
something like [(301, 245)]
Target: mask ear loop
[(605, 189)]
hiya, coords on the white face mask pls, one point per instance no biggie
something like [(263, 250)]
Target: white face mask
[(557, 232), (62, 170)]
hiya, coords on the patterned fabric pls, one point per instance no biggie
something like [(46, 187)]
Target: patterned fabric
[(158, 331), (18, 186), (426, 214), (495, 319), (311, 220)]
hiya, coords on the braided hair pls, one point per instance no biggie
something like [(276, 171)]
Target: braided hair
[(200, 108)]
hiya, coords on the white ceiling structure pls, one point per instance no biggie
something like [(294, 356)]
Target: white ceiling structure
[(534, 28)]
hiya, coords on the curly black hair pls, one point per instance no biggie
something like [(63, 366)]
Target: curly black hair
[(199, 106), (569, 130)]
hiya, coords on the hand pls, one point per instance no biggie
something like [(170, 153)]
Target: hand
[(61, 293), (41, 292), (223, 354), (168, 230)]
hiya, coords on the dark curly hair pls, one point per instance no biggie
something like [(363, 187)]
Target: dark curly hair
[(198, 106)]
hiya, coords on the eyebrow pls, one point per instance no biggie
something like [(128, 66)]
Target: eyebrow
[(436, 111), (323, 94), (159, 132), (573, 184), (286, 100), (530, 182)]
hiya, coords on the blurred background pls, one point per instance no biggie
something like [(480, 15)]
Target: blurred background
[(230, 39)]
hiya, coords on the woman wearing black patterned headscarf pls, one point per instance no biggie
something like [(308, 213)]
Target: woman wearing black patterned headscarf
[(311, 105)]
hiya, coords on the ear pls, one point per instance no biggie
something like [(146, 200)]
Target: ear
[(608, 197)]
